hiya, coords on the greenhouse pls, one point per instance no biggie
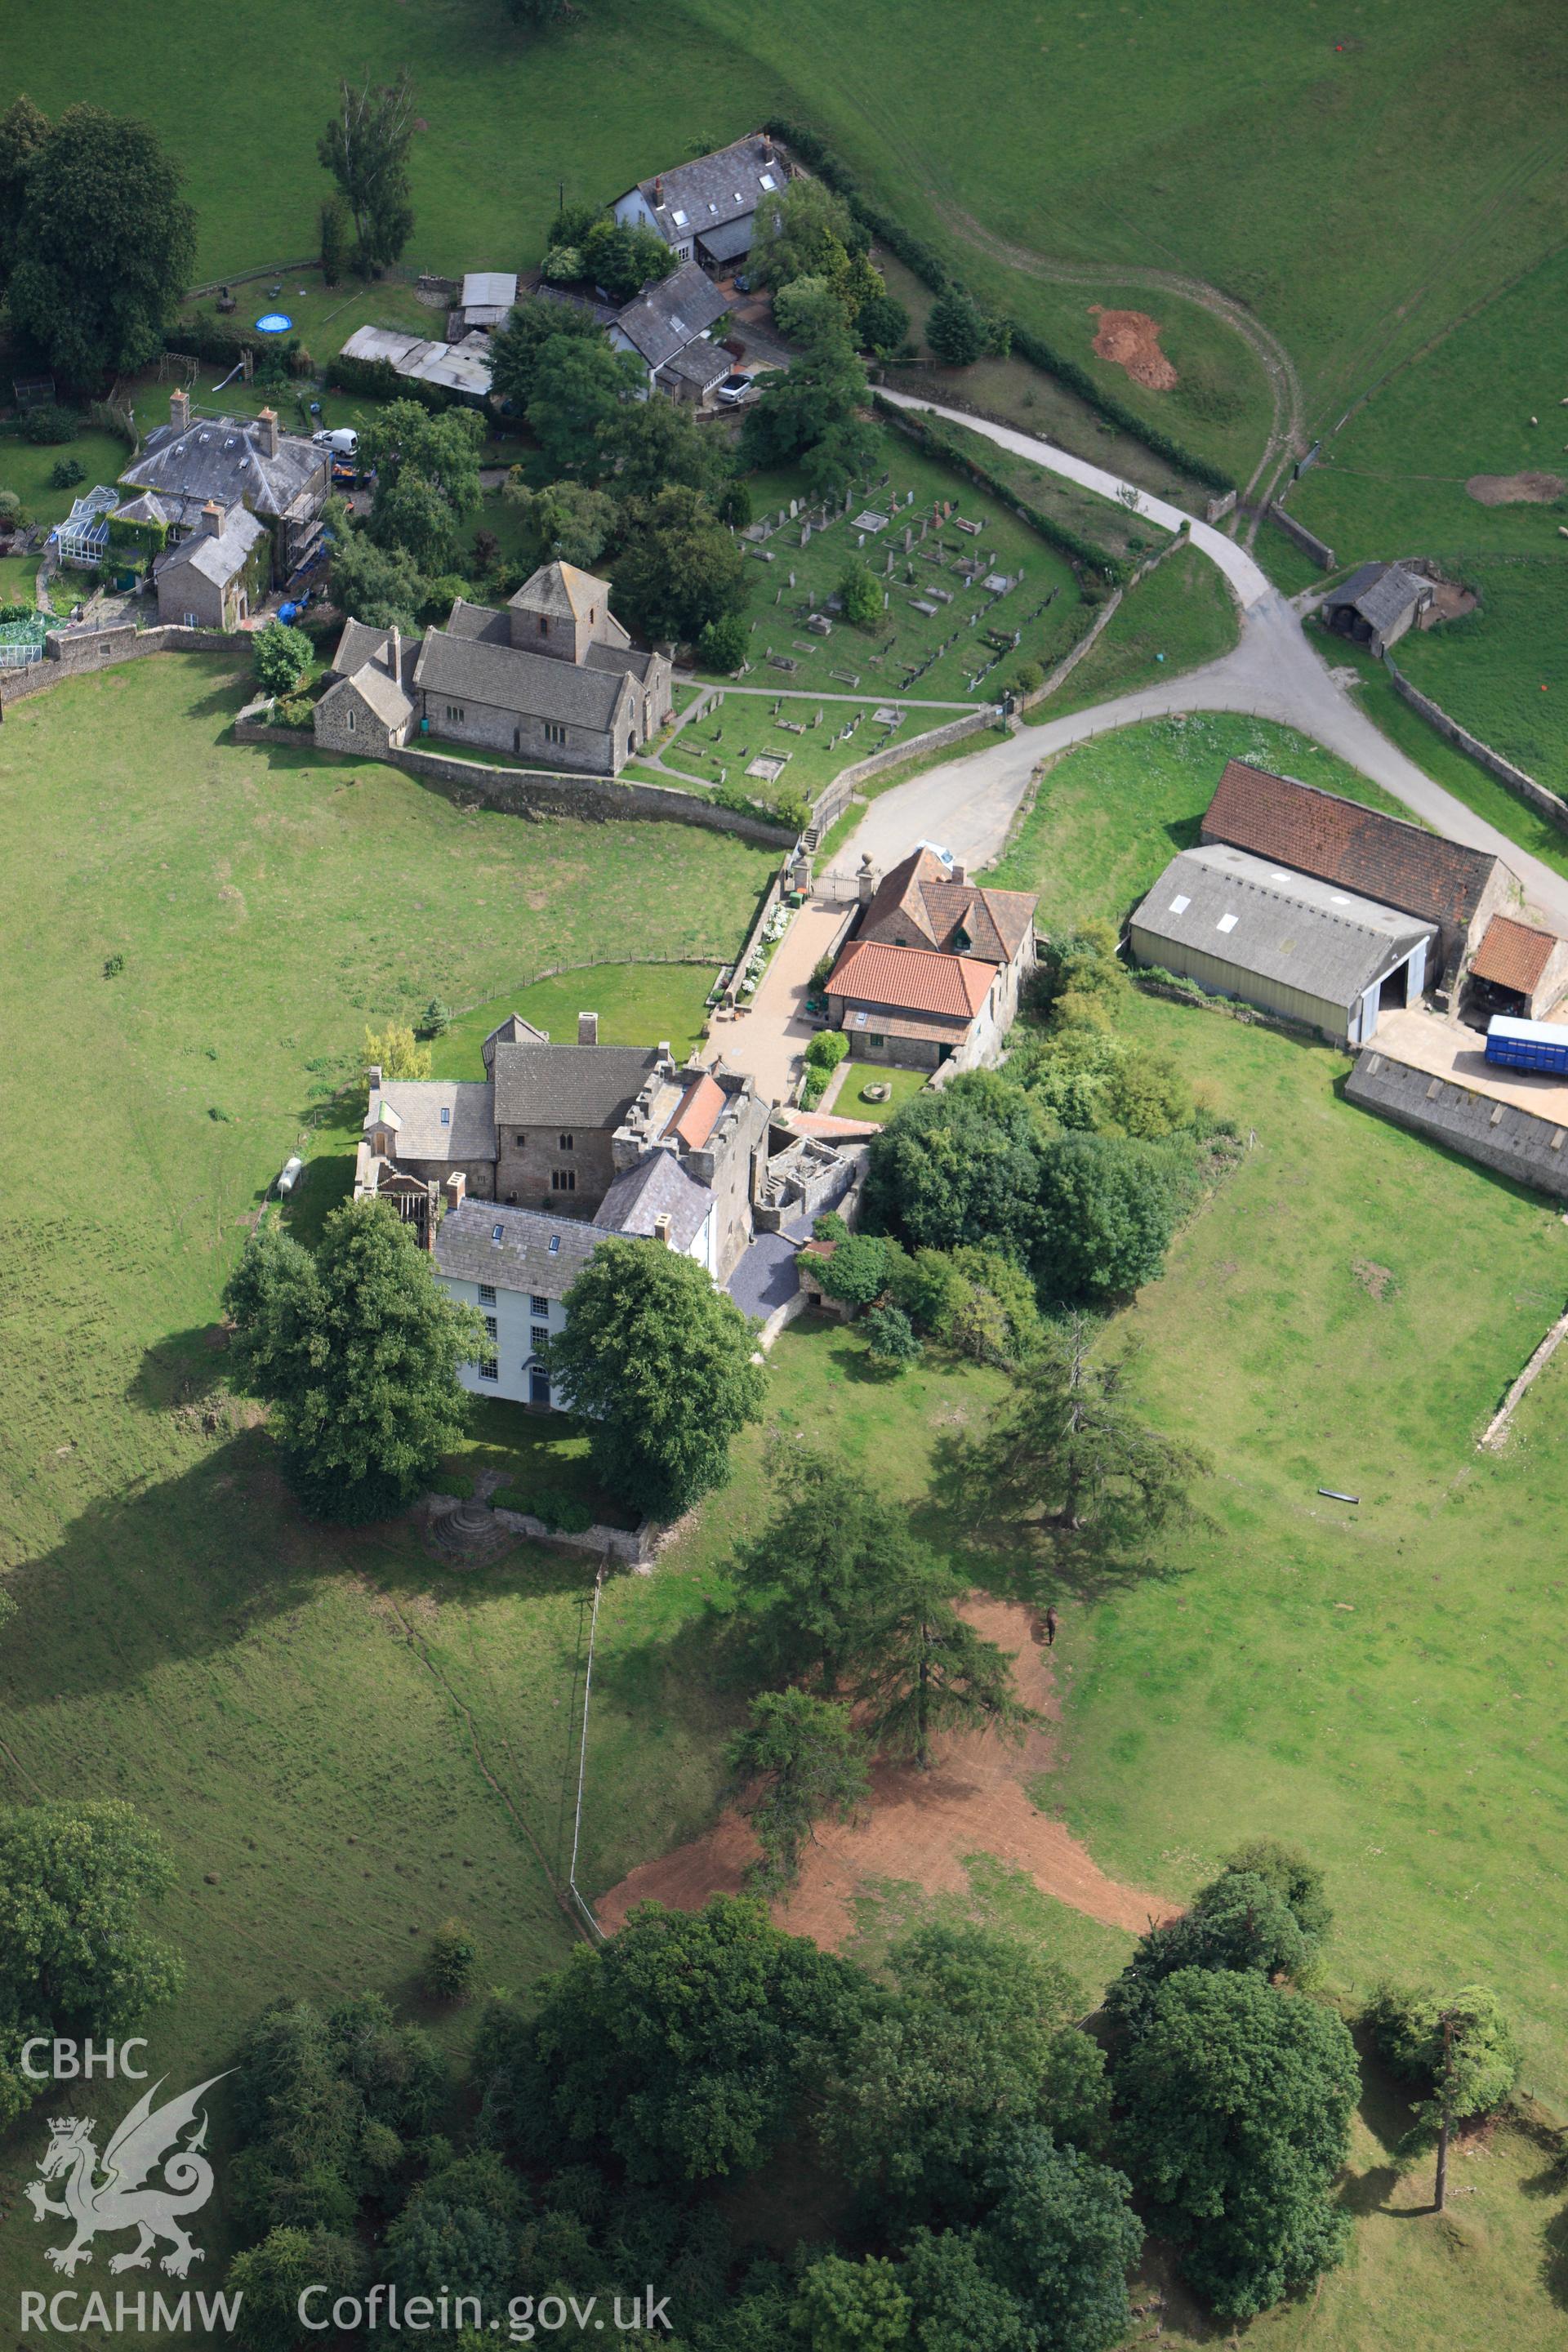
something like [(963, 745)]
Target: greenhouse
[(83, 537)]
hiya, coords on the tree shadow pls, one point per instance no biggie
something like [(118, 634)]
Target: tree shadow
[(182, 1369), (1021, 1558)]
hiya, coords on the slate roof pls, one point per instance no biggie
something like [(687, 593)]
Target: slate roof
[(1338, 841), (376, 688), (223, 457), (513, 1031), (918, 980), (1380, 592), (671, 312), (1513, 954), (702, 364), (360, 643), (467, 1133), (919, 898), (728, 243), (220, 556), (505, 677), (726, 185), (569, 1085), (657, 1186), (515, 1249), (1285, 927)]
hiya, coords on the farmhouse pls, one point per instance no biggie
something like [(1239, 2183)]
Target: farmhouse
[(705, 211), (932, 973), (1242, 927), (553, 680), (186, 468), (1384, 859), (1376, 605)]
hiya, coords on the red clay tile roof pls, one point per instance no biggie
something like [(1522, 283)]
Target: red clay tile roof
[(1338, 841), (697, 1113), (919, 898), (912, 980), (1513, 955)]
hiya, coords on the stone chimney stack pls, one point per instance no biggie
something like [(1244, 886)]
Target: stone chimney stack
[(212, 519), (394, 654), (866, 880), (658, 192), (373, 1074), (456, 1188), (587, 1028), (180, 411), (267, 426), (959, 874), (661, 1229)]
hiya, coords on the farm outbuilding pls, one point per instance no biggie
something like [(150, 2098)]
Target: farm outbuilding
[(1518, 970), (1241, 927), (1377, 605)]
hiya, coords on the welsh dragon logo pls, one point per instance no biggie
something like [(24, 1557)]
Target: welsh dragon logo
[(104, 2197)]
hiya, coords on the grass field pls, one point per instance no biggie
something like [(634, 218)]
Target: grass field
[(1109, 815), (1177, 617), (1502, 671)]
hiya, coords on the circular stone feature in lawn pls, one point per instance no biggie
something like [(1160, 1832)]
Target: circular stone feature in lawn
[(1514, 490), (274, 322), (875, 1094)]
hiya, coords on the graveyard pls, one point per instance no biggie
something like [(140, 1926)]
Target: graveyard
[(971, 592)]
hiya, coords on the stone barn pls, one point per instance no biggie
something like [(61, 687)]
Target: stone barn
[(1518, 971), (1377, 605)]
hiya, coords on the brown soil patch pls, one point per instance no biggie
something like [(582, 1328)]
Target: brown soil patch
[(1131, 339), (1377, 1281), (919, 1825), (1515, 490), (1449, 602)]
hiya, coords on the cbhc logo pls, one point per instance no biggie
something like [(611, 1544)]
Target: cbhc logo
[(71, 2062)]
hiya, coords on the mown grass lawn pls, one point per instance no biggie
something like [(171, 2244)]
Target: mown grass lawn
[(850, 1102), (1502, 671)]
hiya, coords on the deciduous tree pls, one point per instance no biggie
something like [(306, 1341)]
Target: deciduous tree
[(621, 258), (659, 1363), (427, 478), (517, 344), (1107, 1208), (104, 243), (964, 1165), (366, 148), (571, 521), (23, 130), (681, 2049), (282, 657), (1460, 2052), (1062, 2236), (268, 2279), (1235, 2118), (74, 1955), (357, 1353), (680, 568), (577, 391)]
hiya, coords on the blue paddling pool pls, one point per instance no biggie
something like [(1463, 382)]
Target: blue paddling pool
[(274, 322)]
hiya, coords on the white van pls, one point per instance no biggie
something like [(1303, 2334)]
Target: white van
[(343, 443)]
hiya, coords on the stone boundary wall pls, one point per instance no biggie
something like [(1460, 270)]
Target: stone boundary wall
[(835, 797), (69, 654), (536, 791), (1307, 542), (1515, 1143), (1517, 780), (1102, 620)]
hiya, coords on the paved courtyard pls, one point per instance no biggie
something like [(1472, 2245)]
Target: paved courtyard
[(1425, 1042), (769, 1041)]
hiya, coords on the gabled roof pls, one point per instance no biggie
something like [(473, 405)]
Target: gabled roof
[(413, 1108), (513, 1031), (656, 1186), (918, 897), (698, 1112), (1283, 925), (725, 185), (489, 288), (562, 592), (533, 686), (728, 242), (220, 556), (1380, 592), (225, 457), (1513, 954), (515, 1249), (1340, 841), (671, 313), (569, 1085), (360, 643), (919, 980)]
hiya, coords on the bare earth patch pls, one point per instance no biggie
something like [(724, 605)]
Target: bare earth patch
[(919, 1825), (1131, 339), (1377, 1281), (1515, 490)]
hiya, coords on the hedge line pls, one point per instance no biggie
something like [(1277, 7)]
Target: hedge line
[(932, 271), (1071, 543)]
